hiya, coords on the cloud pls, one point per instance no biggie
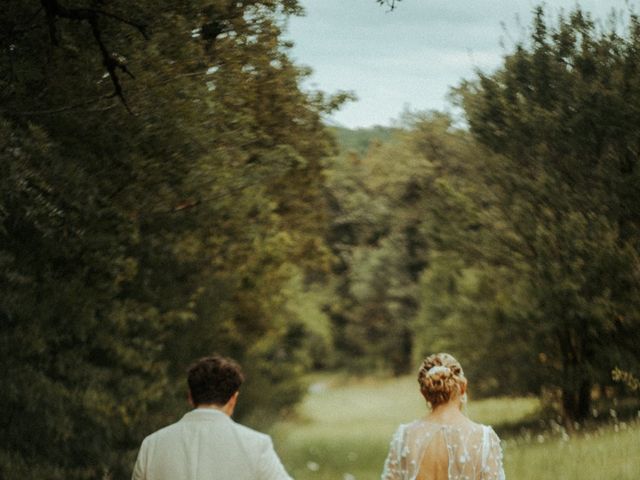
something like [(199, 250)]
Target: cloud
[(413, 54)]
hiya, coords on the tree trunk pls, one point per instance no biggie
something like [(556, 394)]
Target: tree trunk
[(402, 363), (576, 388), (576, 403)]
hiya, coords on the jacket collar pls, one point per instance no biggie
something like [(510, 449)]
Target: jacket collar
[(211, 414)]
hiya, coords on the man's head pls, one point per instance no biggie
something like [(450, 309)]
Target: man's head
[(214, 380)]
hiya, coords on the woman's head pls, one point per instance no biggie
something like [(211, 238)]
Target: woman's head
[(441, 379)]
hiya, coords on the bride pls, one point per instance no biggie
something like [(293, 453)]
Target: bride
[(445, 444)]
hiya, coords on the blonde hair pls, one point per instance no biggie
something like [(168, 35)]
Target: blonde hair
[(440, 378)]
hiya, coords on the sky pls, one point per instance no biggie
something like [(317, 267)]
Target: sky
[(408, 58)]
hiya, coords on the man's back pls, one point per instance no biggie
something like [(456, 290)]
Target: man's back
[(207, 444)]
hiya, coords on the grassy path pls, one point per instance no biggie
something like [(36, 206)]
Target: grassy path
[(343, 430)]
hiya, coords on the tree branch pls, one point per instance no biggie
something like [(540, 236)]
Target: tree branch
[(111, 61), (390, 3), (97, 99)]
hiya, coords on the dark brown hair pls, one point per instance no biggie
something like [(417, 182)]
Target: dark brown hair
[(214, 380)]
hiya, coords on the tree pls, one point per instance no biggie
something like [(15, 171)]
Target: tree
[(462, 299), (134, 238), (560, 195), (375, 237)]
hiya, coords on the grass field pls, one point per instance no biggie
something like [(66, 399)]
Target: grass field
[(343, 428)]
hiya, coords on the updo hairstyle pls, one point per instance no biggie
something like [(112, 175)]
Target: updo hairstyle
[(440, 378)]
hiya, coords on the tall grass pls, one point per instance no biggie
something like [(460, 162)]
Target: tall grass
[(343, 428), (604, 454)]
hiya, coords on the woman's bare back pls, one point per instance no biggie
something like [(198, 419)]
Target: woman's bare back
[(435, 460), (424, 450)]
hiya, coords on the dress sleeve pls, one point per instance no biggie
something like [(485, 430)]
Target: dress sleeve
[(393, 463), (270, 466), (492, 468)]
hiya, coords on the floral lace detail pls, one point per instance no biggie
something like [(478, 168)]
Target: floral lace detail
[(426, 450)]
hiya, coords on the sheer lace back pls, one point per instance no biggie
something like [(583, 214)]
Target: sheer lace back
[(424, 450)]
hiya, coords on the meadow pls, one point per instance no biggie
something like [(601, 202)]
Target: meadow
[(342, 430)]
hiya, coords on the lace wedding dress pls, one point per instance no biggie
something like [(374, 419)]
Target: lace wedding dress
[(424, 450)]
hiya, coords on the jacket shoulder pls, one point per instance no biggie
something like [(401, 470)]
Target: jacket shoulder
[(162, 432), (251, 434)]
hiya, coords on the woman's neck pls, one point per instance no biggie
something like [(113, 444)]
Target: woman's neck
[(447, 413)]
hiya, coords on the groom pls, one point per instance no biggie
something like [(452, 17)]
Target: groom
[(206, 443)]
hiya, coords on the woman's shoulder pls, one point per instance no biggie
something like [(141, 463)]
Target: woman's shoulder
[(489, 435), (486, 429), (479, 426), (419, 427), (426, 423), (468, 426)]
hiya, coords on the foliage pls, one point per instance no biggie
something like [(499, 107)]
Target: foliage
[(360, 140), (627, 378), (374, 237), (561, 186), (134, 239), (512, 243), (523, 238)]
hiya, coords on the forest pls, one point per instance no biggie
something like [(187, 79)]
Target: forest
[(169, 189)]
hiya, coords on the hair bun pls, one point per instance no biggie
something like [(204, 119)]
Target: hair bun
[(440, 378)]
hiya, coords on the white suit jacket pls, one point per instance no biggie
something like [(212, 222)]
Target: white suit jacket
[(206, 444)]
